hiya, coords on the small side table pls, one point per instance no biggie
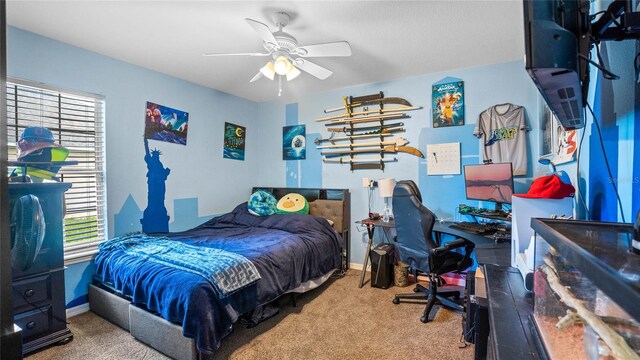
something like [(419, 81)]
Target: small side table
[(371, 226)]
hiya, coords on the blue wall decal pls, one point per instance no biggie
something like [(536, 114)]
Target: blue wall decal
[(185, 214), (126, 221), (155, 218), (603, 203)]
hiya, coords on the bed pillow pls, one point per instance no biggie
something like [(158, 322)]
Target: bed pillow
[(292, 203), (261, 203)]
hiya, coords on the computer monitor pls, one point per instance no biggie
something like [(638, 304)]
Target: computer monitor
[(490, 182)]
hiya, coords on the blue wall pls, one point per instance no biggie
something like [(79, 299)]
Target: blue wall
[(484, 86), (195, 188), (615, 103)]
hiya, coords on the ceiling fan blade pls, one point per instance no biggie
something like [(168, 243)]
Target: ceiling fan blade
[(236, 54), (257, 77), (263, 31), (338, 48), (313, 69)]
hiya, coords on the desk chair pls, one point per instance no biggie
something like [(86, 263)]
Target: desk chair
[(414, 225)]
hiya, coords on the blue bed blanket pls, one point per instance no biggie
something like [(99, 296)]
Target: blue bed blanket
[(226, 271), (286, 250)]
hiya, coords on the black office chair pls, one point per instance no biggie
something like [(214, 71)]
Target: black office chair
[(414, 225)]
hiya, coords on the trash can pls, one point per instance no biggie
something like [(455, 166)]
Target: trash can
[(401, 274)]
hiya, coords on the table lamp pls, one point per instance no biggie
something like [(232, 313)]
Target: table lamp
[(386, 191)]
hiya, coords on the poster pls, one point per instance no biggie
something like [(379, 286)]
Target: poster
[(558, 145), (163, 123), (294, 142), (448, 104), (565, 145), (234, 139)]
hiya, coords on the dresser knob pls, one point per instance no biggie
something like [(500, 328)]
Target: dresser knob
[(31, 325), (29, 293)]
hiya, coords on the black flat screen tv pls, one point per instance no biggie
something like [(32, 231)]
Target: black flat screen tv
[(556, 44)]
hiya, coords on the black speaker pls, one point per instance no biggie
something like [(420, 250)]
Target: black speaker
[(382, 259)]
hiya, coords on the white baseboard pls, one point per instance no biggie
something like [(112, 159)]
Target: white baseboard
[(358, 266), (77, 310)]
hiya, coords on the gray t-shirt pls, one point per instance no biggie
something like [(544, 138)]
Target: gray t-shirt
[(502, 132)]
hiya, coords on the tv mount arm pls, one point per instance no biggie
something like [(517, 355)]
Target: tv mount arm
[(620, 13)]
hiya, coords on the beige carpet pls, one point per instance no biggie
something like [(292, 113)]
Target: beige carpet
[(336, 321)]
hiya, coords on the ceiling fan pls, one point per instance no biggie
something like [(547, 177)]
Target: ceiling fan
[(287, 57)]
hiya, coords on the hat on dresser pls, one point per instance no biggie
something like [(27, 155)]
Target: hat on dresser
[(548, 187)]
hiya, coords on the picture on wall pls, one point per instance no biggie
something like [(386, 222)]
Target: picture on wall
[(163, 123), (448, 104), (234, 136), (558, 144), (294, 142), (565, 145)]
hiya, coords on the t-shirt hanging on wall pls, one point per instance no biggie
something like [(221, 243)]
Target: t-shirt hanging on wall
[(502, 132)]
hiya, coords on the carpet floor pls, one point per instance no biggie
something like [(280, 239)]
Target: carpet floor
[(335, 321)]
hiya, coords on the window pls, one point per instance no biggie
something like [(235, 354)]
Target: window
[(77, 123)]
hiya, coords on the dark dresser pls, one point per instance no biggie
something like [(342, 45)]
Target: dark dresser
[(38, 292)]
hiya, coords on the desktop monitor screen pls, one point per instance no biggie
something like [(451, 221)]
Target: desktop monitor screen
[(491, 182)]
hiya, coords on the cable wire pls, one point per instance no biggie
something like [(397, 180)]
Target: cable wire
[(584, 203), (606, 161)]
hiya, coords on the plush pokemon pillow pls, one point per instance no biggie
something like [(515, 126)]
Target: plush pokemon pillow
[(292, 204), (261, 203)]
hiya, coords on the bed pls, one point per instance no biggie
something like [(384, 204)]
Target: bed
[(180, 313)]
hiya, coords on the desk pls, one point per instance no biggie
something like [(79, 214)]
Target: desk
[(371, 227), (487, 250)]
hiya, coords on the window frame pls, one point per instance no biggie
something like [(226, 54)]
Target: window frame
[(83, 251)]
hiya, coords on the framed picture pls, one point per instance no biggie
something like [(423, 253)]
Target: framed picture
[(294, 142), (234, 139), (448, 104), (163, 123), (558, 144)]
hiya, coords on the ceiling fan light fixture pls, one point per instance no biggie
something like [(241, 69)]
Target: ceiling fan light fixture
[(282, 66), (268, 70), (293, 73)]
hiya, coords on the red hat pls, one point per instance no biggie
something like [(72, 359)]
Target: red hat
[(548, 187)]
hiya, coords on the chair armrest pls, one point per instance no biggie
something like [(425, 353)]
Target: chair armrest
[(455, 244)]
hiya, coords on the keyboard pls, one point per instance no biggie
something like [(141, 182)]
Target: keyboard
[(473, 227)]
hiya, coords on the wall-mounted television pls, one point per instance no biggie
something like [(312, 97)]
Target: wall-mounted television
[(555, 53)]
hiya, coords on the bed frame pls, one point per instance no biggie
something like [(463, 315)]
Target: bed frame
[(166, 337)]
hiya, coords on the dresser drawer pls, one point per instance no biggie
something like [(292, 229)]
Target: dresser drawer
[(34, 290), (34, 322)]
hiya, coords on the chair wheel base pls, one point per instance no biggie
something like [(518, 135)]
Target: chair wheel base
[(424, 319), (396, 301)]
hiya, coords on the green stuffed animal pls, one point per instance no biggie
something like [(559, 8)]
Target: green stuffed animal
[(292, 204)]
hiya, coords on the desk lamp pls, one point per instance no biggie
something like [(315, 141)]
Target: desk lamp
[(386, 191), (561, 174)]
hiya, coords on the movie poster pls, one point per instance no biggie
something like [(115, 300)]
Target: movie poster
[(234, 136), (294, 142), (163, 123), (448, 104)]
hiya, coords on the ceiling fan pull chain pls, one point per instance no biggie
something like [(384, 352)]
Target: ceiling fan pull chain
[(279, 85)]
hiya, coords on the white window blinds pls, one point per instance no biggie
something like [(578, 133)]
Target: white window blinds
[(77, 123)]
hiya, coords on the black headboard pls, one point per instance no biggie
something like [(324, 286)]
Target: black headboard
[(311, 195)]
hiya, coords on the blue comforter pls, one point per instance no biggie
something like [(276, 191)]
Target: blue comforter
[(287, 250)]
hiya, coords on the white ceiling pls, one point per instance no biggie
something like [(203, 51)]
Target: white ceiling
[(390, 39)]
